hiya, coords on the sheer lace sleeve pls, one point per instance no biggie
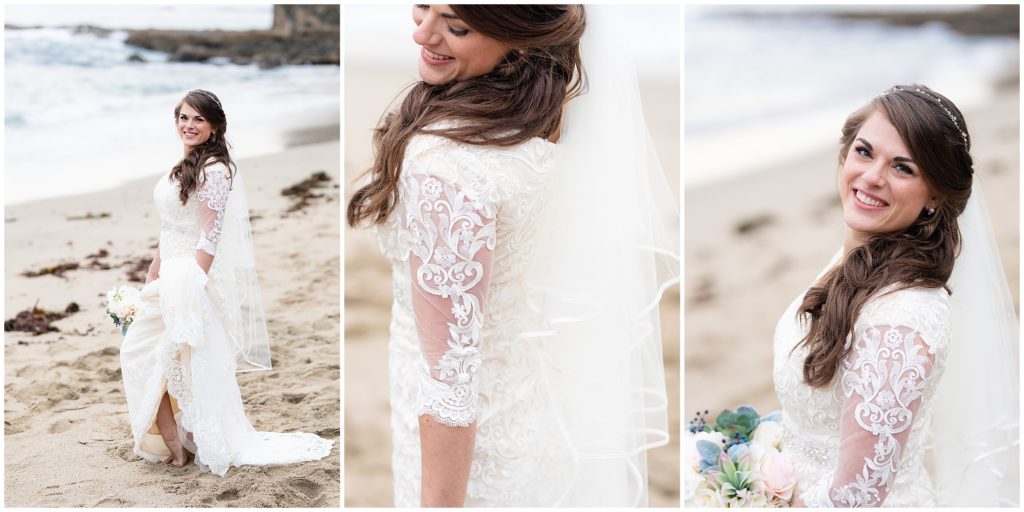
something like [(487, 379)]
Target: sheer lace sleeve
[(450, 238), (212, 195), (884, 380)]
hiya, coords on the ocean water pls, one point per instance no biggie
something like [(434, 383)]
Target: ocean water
[(79, 117), (760, 90)]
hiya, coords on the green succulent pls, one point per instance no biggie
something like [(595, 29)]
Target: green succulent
[(738, 426)]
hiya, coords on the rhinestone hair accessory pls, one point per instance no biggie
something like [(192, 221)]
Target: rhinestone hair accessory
[(208, 94), (937, 100)]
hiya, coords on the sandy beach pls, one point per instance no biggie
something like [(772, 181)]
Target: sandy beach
[(368, 301), (67, 438), (748, 253)]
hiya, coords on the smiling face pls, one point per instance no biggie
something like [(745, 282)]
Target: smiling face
[(881, 187), (193, 128), (452, 51)]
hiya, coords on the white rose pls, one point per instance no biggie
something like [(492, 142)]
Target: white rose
[(705, 496), (757, 451), (769, 433)]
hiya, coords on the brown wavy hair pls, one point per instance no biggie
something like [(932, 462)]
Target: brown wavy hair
[(923, 254), (187, 171), (520, 99)]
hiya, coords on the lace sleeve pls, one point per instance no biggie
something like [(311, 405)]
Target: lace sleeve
[(212, 195), (883, 379), (450, 238)]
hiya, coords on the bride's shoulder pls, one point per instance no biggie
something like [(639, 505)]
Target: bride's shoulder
[(214, 168), (487, 173), (427, 152), (925, 310)]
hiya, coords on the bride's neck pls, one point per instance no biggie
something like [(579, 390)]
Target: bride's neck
[(557, 134), (852, 240)]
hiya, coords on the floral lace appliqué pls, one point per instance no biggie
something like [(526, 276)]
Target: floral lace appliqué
[(862, 440), (450, 237), (213, 198)]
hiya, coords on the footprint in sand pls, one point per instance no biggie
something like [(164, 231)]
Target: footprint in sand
[(114, 502), (124, 452), (61, 426), (187, 487), (294, 398), (102, 364), (307, 487), (228, 495), (324, 325), (329, 433)]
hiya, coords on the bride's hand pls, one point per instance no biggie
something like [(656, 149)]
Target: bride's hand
[(204, 260), (154, 268)]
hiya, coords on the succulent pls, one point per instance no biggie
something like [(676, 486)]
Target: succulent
[(739, 425), (709, 454)]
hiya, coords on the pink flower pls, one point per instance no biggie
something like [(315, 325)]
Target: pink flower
[(126, 312), (779, 474)]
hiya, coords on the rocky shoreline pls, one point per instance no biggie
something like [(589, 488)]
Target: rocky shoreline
[(265, 48), (300, 34), (982, 20), (985, 20)]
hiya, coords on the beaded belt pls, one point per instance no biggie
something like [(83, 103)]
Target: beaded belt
[(814, 450)]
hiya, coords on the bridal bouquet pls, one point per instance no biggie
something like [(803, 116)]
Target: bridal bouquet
[(737, 462), (123, 303)]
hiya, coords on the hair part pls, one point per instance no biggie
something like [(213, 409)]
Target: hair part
[(922, 255), (520, 99), (190, 170)]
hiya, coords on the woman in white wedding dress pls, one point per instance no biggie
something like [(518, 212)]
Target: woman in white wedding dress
[(202, 317), (869, 369), (521, 373)]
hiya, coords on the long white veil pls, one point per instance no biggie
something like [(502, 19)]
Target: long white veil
[(977, 422), (608, 248), (233, 277)]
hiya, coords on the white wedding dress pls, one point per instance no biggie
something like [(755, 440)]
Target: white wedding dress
[(179, 342), (527, 282), (863, 440), (462, 228)]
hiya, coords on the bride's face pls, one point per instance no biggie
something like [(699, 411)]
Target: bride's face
[(880, 185), (451, 50), (193, 128)]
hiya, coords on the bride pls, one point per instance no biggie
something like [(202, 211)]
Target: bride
[(529, 247), (901, 346), (202, 318)]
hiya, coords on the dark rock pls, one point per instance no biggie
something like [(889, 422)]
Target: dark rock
[(92, 30), (262, 47), (191, 53), (298, 19), (136, 58), (984, 20)]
